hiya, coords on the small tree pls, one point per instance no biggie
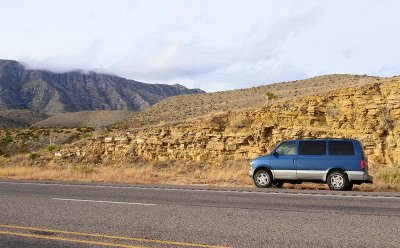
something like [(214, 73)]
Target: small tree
[(270, 96)]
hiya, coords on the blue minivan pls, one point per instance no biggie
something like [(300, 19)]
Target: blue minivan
[(340, 163)]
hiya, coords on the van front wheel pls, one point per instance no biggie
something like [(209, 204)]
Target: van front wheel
[(338, 180), (263, 179)]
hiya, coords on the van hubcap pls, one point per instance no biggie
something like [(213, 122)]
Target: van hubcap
[(337, 181), (262, 179)]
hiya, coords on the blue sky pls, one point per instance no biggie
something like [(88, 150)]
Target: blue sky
[(209, 44)]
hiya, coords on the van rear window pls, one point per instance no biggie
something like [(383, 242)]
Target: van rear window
[(341, 148), (312, 148)]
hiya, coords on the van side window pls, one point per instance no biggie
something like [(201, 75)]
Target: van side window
[(312, 147), (341, 148), (287, 148)]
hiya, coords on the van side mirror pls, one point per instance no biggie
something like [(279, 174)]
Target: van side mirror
[(275, 154)]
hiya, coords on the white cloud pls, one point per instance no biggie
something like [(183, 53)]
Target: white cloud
[(213, 45)]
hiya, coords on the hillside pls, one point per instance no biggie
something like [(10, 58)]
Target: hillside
[(28, 140), (19, 118), (369, 113), (216, 148), (50, 93), (85, 118), (187, 106)]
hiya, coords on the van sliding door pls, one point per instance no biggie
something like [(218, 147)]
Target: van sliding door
[(311, 161)]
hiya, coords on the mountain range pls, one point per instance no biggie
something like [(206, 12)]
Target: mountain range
[(50, 93)]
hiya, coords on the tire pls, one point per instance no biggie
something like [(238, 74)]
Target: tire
[(337, 180), (350, 187), (263, 179), (278, 184)]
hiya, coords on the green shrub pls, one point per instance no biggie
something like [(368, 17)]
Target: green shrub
[(6, 140), (271, 96), (33, 155), (52, 148), (86, 135)]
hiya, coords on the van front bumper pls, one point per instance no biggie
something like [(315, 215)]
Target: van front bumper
[(251, 172)]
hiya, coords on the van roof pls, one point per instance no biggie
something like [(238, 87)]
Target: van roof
[(326, 139)]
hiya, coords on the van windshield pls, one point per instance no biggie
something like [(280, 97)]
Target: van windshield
[(286, 148)]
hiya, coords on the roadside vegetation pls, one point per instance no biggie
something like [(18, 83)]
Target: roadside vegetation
[(138, 171), (34, 153), (29, 140)]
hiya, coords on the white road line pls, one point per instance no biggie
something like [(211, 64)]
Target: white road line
[(330, 195), (113, 202), (355, 195)]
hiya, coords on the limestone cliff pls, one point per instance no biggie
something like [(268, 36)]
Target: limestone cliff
[(370, 113)]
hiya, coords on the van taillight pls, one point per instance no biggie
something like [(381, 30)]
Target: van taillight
[(362, 164)]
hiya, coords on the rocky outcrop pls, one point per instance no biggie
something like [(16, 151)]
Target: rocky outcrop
[(370, 114)]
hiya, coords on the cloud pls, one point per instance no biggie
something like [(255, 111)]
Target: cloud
[(204, 44), (250, 61), (195, 49)]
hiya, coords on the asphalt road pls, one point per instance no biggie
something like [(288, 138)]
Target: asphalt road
[(48, 214)]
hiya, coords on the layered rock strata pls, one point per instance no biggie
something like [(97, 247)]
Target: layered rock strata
[(370, 114)]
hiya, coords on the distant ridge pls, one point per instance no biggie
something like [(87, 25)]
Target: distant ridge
[(50, 93)]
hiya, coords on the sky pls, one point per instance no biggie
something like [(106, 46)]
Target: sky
[(209, 44)]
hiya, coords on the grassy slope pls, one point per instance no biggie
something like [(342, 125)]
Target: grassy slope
[(187, 106), (86, 118), (14, 118)]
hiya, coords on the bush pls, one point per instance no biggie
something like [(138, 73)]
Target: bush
[(33, 155), (52, 148), (86, 135), (241, 121), (271, 96), (5, 141), (73, 137)]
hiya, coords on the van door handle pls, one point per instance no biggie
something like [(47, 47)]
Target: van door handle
[(294, 160)]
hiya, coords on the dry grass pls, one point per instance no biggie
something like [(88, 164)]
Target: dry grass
[(151, 173), (385, 178), (232, 174), (228, 177)]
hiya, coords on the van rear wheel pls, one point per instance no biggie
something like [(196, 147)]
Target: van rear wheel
[(350, 187), (278, 184), (337, 180), (263, 179)]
